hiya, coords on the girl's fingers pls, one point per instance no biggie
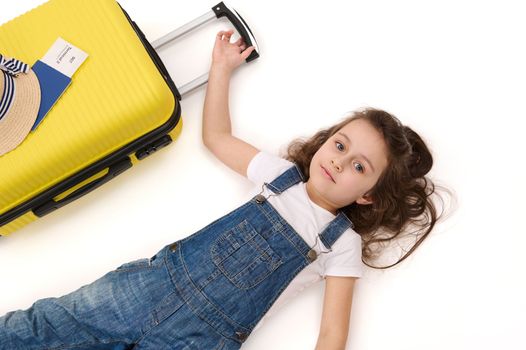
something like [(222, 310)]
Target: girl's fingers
[(247, 52), (225, 35), (228, 35), (222, 32)]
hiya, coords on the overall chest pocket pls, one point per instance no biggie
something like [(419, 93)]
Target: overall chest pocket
[(244, 256)]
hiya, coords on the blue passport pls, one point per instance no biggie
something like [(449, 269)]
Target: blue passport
[(52, 85)]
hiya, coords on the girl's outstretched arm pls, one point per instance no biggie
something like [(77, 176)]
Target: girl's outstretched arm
[(217, 133), (336, 313)]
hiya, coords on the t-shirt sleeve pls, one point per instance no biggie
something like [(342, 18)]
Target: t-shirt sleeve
[(347, 259), (265, 167)]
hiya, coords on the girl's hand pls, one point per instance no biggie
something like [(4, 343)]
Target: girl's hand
[(226, 55)]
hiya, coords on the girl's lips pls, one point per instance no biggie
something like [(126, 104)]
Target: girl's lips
[(327, 174)]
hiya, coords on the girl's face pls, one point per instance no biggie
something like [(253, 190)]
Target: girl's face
[(347, 166)]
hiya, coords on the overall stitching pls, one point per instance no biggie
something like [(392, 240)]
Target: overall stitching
[(273, 259), (207, 227), (159, 321), (212, 277), (282, 288), (284, 227), (222, 237), (204, 295), (341, 222), (195, 309)]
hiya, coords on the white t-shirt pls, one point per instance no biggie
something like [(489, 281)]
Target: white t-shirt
[(308, 220)]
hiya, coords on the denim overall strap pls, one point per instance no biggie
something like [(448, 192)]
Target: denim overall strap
[(289, 178), (335, 229)]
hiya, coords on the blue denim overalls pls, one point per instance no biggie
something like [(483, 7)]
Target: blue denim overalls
[(207, 291)]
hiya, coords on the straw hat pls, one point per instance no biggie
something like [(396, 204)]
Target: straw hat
[(19, 102)]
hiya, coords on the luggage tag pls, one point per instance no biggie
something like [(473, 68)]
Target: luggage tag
[(54, 72)]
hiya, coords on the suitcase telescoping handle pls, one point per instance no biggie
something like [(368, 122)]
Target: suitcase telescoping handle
[(52, 204), (218, 11)]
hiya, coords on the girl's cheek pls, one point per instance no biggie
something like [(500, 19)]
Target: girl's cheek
[(348, 185)]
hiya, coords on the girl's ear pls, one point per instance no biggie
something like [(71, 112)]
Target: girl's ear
[(365, 199)]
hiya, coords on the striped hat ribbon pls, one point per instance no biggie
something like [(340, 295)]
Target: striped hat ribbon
[(13, 66)]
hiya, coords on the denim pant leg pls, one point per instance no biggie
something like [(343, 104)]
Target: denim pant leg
[(183, 330), (110, 313)]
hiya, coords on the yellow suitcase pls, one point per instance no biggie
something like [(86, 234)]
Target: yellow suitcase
[(121, 107)]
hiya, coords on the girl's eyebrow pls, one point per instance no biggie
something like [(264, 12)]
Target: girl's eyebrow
[(361, 155)]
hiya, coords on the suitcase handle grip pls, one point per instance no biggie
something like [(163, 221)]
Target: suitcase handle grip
[(52, 205), (222, 10), (219, 10)]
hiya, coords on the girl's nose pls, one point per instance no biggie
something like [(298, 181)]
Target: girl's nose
[(336, 165)]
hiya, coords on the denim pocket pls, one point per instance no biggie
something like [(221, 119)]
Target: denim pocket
[(244, 256)]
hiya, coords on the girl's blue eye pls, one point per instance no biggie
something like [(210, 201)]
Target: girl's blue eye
[(358, 167), (340, 146)]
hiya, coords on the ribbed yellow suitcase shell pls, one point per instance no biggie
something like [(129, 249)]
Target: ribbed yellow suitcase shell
[(116, 96)]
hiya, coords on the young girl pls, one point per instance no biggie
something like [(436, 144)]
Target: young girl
[(331, 204)]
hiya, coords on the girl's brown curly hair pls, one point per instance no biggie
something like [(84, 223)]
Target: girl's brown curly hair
[(401, 197)]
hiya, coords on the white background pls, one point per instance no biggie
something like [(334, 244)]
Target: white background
[(453, 70)]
